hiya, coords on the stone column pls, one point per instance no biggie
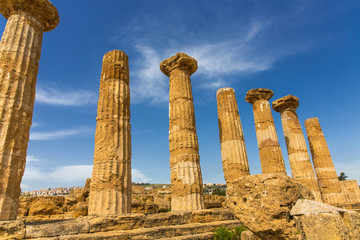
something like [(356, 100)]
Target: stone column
[(110, 188), (20, 50), (270, 152), (186, 180), (301, 168), (324, 167), (233, 150)]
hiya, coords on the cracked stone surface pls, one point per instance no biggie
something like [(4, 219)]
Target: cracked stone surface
[(110, 188), (20, 50), (185, 172)]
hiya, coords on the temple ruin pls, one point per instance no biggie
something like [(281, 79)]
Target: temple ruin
[(233, 149), (20, 50), (301, 168), (110, 190), (186, 180), (110, 194), (271, 157)]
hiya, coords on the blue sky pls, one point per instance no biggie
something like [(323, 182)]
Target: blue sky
[(309, 49)]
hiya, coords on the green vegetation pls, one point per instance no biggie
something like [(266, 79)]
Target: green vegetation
[(222, 233), (342, 176), (219, 191)]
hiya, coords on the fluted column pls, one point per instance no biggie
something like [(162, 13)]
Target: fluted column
[(324, 167), (20, 50), (301, 168), (233, 150), (186, 180), (110, 189), (269, 148)]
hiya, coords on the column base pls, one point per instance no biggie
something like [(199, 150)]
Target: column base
[(192, 201)]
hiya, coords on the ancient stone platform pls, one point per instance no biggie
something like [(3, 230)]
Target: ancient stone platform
[(197, 224)]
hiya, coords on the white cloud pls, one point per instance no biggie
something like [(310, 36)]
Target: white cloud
[(139, 177), (243, 54), (71, 173), (248, 52), (31, 159), (52, 96), (24, 187), (60, 175), (35, 124), (33, 173), (36, 177), (53, 135), (149, 82)]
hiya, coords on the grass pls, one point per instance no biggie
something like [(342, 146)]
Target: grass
[(222, 233)]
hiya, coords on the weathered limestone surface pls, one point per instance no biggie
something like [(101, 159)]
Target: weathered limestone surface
[(12, 230), (233, 150), (270, 152), (315, 220), (110, 189), (351, 191), (248, 235), (263, 203), (324, 167), (127, 226), (20, 50), (186, 179), (301, 168)]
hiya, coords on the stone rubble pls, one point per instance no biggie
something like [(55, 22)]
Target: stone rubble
[(263, 203)]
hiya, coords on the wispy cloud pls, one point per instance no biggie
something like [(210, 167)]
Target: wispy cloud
[(31, 159), (248, 52), (57, 97), (63, 174), (36, 177), (70, 173), (149, 82), (139, 177), (35, 125), (54, 135)]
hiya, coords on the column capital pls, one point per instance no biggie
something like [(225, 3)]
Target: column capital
[(288, 102), (225, 89), (313, 127), (179, 61), (42, 10), (258, 94)]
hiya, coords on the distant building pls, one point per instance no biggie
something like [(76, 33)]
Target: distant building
[(60, 191)]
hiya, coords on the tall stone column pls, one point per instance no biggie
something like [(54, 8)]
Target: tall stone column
[(233, 150), (324, 167), (20, 50), (301, 168), (186, 180), (269, 148), (110, 188)]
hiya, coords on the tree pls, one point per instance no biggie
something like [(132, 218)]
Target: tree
[(342, 176), (219, 191)]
